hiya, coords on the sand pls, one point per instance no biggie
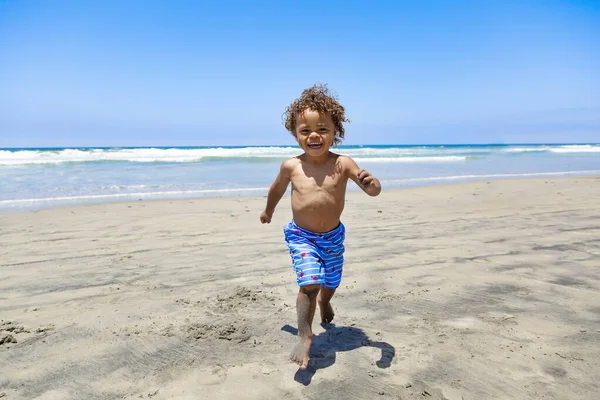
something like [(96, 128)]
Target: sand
[(481, 290)]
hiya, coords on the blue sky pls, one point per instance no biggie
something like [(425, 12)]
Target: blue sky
[(142, 73)]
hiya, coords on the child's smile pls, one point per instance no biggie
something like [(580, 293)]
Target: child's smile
[(315, 132)]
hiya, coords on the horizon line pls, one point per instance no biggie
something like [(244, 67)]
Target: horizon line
[(293, 145)]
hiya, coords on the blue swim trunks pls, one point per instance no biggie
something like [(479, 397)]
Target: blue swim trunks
[(318, 258)]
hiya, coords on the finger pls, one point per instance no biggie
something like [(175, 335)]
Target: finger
[(365, 179)]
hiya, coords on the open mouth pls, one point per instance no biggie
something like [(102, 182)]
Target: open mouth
[(315, 146)]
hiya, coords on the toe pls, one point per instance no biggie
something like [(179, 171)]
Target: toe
[(304, 364), (295, 359)]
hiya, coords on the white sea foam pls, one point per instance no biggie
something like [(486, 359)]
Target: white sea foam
[(410, 159), (526, 149), (137, 155), (171, 193), (585, 148), (249, 154), (576, 149), (149, 155)]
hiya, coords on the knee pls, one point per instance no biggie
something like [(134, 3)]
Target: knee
[(310, 290)]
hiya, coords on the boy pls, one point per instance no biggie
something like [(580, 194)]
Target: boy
[(315, 236)]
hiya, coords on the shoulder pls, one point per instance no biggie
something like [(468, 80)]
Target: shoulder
[(348, 166), (347, 162), (288, 165), (291, 162)]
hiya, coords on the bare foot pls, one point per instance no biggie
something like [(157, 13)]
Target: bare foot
[(300, 353), (327, 313)]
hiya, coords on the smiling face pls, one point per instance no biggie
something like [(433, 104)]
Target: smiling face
[(315, 132)]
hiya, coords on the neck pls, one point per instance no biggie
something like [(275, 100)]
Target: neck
[(322, 159)]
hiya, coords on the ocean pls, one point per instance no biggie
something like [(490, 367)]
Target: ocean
[(32, 179)]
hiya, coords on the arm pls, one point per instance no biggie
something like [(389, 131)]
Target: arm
[(277, 191), (367, 182)]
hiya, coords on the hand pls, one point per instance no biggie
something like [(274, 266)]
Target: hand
[(265, 217), (365, 178)]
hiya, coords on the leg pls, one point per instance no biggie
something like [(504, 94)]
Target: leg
[(324, 298), (306, 303)]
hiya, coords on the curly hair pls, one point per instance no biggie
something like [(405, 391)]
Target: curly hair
[(317, 98)]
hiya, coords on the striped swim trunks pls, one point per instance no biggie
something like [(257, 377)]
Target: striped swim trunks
[(318, 258)]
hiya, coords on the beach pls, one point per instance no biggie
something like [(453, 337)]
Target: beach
[(475, 290)]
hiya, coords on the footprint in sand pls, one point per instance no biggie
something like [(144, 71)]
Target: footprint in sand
[(213, 375)]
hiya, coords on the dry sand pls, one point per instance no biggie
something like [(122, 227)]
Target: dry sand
[(481, 290)]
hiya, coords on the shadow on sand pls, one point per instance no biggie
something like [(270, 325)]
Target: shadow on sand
[(336, 339)]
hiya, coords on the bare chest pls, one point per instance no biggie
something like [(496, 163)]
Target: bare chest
[(324, 184)]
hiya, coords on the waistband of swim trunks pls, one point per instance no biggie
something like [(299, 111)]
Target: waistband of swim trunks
[(335, 230)]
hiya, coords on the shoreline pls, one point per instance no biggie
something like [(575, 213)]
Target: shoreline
[(410, 183)]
